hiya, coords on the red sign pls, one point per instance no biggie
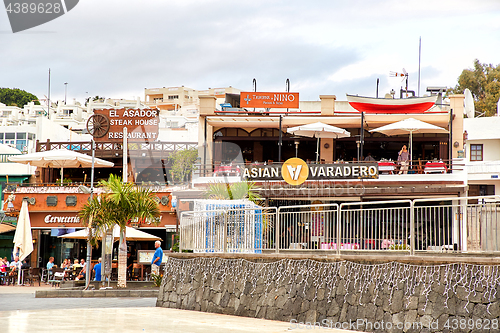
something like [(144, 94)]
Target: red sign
[(142, 124), (269, 100)]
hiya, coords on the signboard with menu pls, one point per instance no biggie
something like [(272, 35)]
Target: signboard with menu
[(267, 100), (142, 124)]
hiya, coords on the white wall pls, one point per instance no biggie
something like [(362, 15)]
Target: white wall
[(491, 149), (48, 130)]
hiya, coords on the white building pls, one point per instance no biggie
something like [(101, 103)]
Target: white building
[(482, 155)]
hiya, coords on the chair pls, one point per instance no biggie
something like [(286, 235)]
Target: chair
[(136, 272), (420, 167), (34, 275), (57, 276), (4, 276)]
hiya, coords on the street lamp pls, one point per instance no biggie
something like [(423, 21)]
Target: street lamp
[(65, 91)]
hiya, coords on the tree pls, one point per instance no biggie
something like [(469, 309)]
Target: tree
[(16, 97), (235, 191), (484, 83), (120, 203), (183, 164)]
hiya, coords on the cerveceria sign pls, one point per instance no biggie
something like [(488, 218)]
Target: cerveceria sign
[(295, 171), (269, 100), (142, 124)]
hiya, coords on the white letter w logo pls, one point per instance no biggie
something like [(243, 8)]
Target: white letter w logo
[(294, 172)]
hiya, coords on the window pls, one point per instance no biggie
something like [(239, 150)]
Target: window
[(476, 152), (173, 97)]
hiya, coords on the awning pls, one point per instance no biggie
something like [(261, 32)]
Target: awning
[(352, 121), (5, 227)]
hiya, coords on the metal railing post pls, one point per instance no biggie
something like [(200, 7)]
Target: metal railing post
[(224, 237), (339, 212), (412, 229), (277, 231)]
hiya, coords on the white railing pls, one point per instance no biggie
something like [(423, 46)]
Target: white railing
[(242, 230), (464, 225)]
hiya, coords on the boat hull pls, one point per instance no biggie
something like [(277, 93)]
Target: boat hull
[(389, 105)]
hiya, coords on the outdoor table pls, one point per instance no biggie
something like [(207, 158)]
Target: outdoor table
[(387, 167), (227, 170), (435, 167)]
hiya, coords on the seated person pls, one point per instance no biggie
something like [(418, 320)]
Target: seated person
[(15, 266), (66, 264), (50, 264), (83, 271), (97, 270), (25, 265)]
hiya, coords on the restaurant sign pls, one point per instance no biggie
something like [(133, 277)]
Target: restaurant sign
[(107, 125), (295, 171), (269, 100)]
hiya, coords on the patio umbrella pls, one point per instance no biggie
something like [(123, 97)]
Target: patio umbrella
[(6, 149), (132, 234), (60, 158), (22, 237), (319, 130), (409, 125)]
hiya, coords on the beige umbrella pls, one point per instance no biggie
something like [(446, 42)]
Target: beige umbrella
[(319, 130), (409, 125), (22, 238), (60, 158), (132, 234)]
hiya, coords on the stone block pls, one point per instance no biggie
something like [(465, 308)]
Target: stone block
[(333, 309), (352, 313), (426, 321), (204, 305), (397, 301), (261, 313), (343, 312), (370, 311), (281, 300), (173, 297), (311, 316), (409, 318)]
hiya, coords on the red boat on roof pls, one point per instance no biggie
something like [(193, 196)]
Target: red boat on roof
[(391, 105)]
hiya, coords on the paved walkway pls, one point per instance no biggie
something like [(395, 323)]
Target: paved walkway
[(21, 312)]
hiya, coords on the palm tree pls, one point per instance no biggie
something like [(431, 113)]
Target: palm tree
[(120, 203), (235, 191)]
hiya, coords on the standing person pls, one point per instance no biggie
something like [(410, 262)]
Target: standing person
[(157, 258), (97, 270), (403, 158), (369, 158)]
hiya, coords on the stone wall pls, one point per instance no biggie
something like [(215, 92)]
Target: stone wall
[(368, 297)]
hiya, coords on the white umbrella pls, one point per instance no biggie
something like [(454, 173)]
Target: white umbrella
[(60, 158), (6, 149), (22, 238), (132, 234), (410, 125), (319, 130)]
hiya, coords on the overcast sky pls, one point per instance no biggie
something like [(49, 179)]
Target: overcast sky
[(116, 48)]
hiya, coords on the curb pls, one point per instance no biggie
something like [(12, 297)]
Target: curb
[(95, 293)]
